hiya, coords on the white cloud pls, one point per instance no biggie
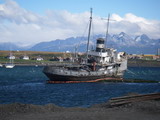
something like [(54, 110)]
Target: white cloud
[(12, 12), (20, 25), (135, 25)]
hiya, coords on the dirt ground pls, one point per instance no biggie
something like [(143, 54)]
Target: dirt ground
[(146, 110)]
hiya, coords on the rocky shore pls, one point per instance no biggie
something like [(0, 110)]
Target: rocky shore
[(142, 110)]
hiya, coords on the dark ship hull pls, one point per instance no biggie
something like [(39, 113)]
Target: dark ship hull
[(77, 79), (70, 75)]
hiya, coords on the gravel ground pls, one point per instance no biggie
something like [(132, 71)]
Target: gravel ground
[(146, 110)]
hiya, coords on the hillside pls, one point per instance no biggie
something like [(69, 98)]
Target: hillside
[(48, 56)]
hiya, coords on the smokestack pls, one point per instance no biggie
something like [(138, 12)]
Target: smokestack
[(100, 45)]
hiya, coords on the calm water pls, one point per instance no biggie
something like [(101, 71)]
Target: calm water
[(27, 85)]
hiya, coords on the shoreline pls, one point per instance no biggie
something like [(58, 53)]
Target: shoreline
[(142, 110), (129, 65)]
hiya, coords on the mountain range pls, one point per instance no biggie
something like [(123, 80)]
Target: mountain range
[(141, 44)]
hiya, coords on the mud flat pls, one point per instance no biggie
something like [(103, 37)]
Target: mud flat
[(148, 109)]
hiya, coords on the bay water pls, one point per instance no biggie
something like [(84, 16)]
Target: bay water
[(27, 84)]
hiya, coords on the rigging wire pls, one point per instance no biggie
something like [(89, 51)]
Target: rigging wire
[(82, 36)]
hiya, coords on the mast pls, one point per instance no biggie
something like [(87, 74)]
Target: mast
[(89, 32), (107, 29), (75, 54)]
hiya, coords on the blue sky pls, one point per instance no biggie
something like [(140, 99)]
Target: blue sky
[(45, 20), (144, 8)]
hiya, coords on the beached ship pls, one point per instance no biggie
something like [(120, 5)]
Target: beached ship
[(100, 64)]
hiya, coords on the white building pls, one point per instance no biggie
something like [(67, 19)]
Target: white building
[(39, 59), (11, 57), (25, 57)]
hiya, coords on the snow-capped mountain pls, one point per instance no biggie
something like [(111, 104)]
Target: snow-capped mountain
[(123, 39), (141, 44), (142, 40)]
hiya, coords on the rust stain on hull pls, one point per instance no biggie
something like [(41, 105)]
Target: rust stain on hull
[(89, 81)]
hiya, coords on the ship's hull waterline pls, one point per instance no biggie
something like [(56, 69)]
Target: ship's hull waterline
[(59, 75), (78, 79)]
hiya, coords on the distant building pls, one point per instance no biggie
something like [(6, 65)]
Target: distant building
[(69, 59), (11, 57), (67, 51), (60, 59), (156, 57), (39, 59), (133, 56), (25, 57)]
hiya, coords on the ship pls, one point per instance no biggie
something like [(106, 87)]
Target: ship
[(100, 64)]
